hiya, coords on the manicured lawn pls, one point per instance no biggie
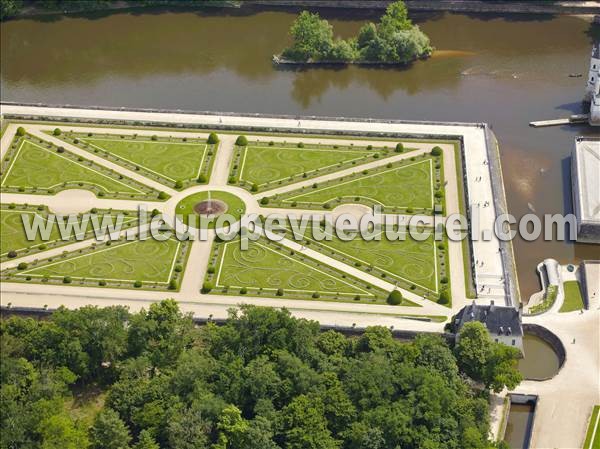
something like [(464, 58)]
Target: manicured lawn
[(262, 266), (269, 164), (168, 160), (573, 299), (592, 438), (40, 168), (405, 186), (265, 267), (235, 206), (138, 260), (14, 238), (409, 261)]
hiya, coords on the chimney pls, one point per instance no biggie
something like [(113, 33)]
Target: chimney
[(492, 307), (508, 331)]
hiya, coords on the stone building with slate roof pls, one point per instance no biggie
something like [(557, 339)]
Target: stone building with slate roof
[(503, 323)]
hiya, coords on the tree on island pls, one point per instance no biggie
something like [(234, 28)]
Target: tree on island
[(395, 39), (313, 37)]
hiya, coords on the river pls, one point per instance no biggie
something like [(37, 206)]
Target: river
[(504, 70)]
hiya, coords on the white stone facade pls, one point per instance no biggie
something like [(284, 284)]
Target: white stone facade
[(585, 183)]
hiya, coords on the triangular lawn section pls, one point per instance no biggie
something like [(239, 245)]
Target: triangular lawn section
[(175, 161), (263, 165), (12, 233), (407, 186), (264, 266), (139, 260), (410, 260), (14, 238), (37, 166)]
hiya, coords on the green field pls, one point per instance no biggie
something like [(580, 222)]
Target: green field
[(137, 260), (573, 299), (409, 262), (263, 165), (592, 438), (407, 186), (166, 160), (266, 267), (34, 166), (14, 238)]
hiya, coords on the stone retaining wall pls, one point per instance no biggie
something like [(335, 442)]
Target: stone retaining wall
[(509, 268), (584, 282), (213, 113), (552, 340), (528, 7), (41, 312)]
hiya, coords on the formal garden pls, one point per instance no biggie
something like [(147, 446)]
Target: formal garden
[(34, 165), (420, 266), (177, 162), (320, 174), (258, 166), (143, 264), (268, 269), (209, 204), (14, 242), (410, 186)]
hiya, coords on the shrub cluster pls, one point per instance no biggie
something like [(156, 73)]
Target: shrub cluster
[(393, 40)]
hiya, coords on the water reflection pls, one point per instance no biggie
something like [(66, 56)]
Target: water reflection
[(540, 361), (504, 70)]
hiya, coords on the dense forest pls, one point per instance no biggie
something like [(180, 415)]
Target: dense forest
[(107, 378)]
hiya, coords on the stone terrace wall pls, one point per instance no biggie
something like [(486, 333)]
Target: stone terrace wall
[(42, 312)]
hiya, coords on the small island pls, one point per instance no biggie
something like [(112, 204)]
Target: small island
[(394, 40)]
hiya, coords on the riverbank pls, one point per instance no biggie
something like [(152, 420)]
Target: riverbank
[(478, 6), (459, 6)]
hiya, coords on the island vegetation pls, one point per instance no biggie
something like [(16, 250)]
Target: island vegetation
[(107, 378), (395, 39)]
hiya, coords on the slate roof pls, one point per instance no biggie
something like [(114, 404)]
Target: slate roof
[(497, 319)]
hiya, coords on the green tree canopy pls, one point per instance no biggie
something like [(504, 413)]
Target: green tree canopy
[(493, 364), (146, 441), (109, 431), (262, 380), (393, 40), (312, 37)]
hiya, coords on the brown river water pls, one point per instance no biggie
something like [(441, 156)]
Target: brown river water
[(505, 70)]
